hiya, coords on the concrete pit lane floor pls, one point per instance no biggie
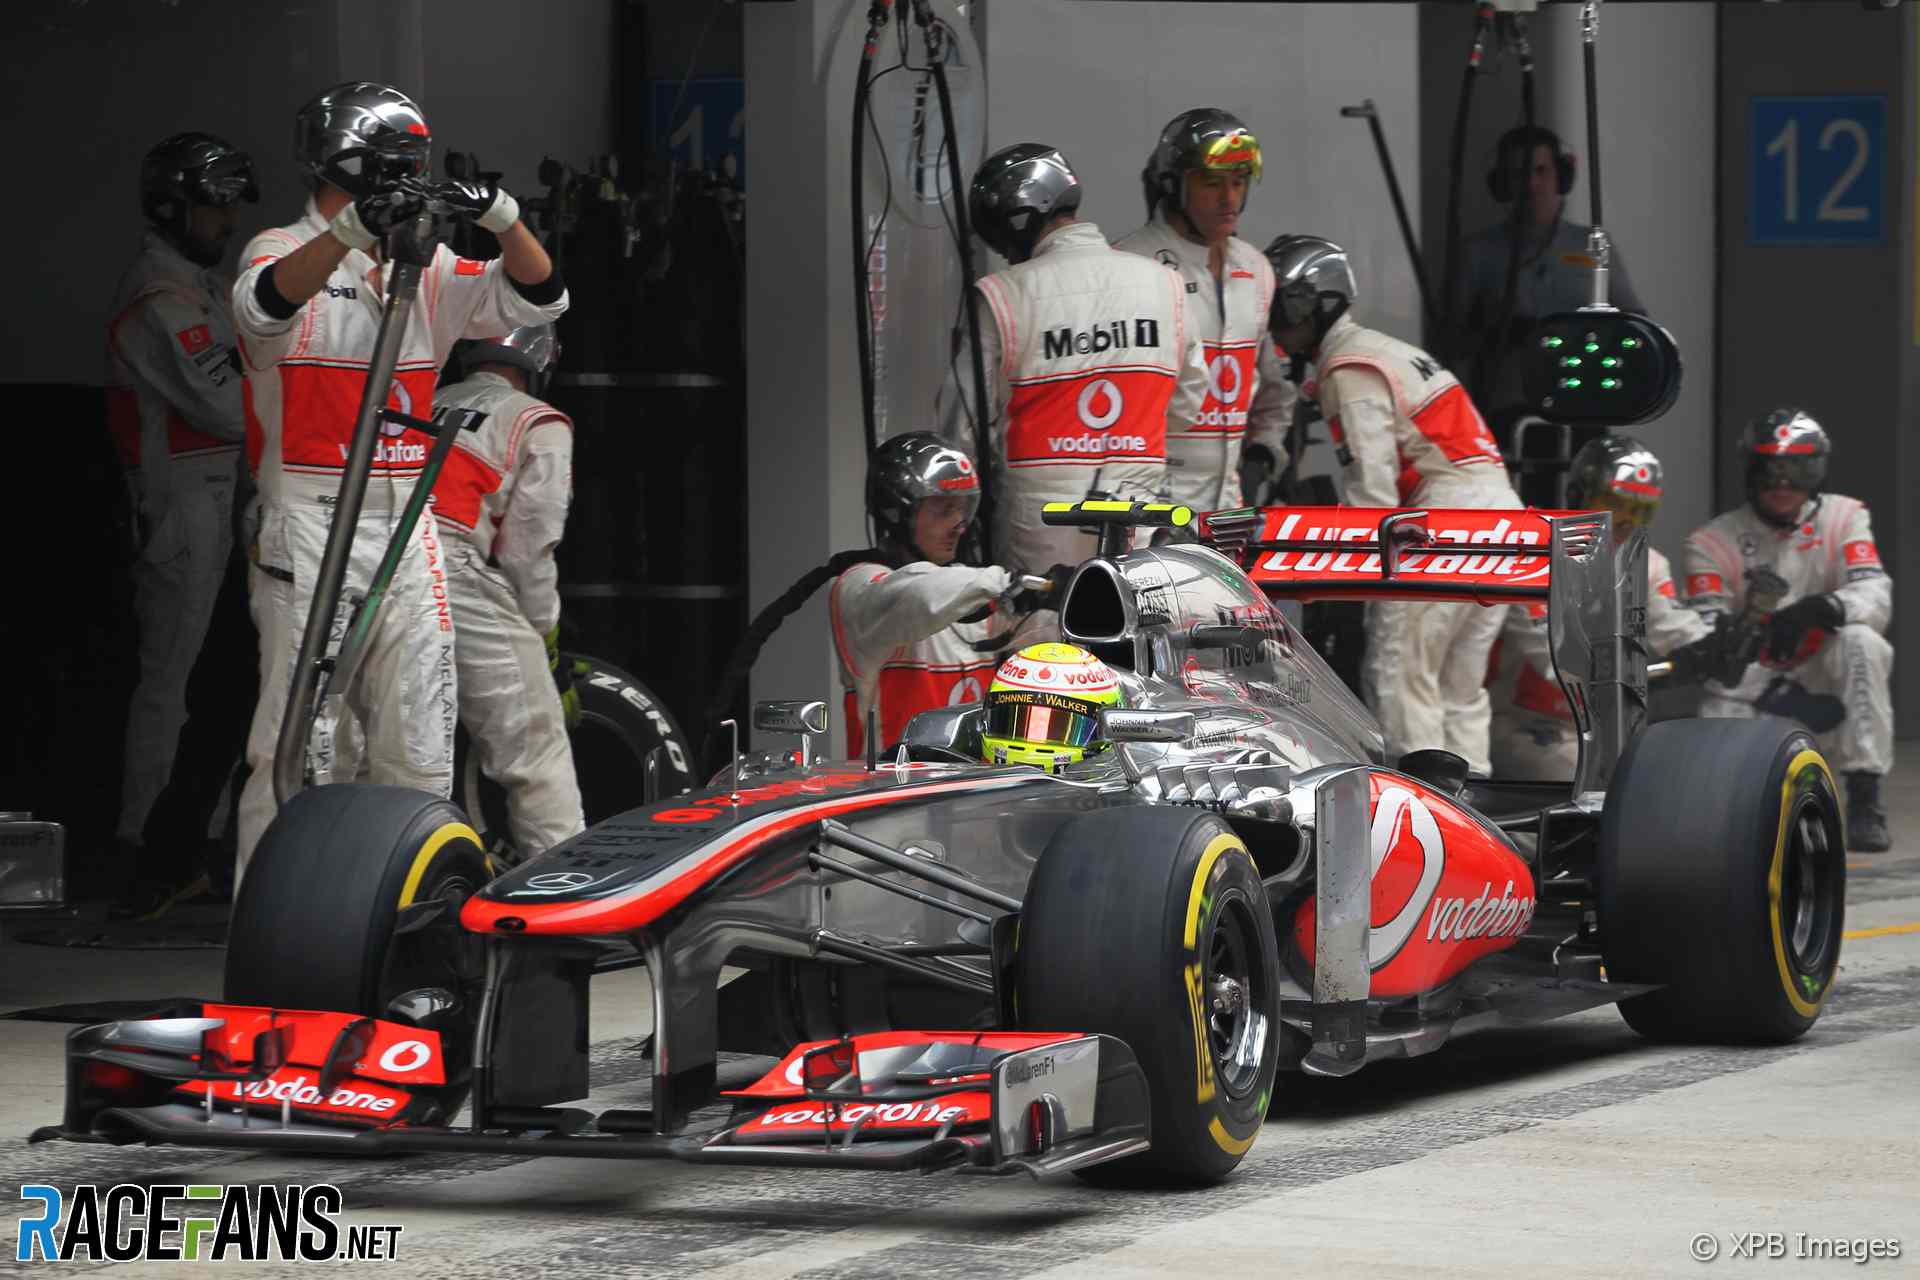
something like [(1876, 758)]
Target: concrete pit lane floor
[(1572, 1148)]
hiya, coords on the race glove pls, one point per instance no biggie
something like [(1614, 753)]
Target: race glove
[(1788, 627), (366, 221), (1705, 658), (563, 678), (487, 206)]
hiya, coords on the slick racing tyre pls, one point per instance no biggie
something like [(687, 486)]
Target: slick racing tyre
[(352, 899), (621, 722), (1152, 925), (1722, 875)]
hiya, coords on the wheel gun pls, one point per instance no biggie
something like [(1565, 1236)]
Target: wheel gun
[(1744, 635)]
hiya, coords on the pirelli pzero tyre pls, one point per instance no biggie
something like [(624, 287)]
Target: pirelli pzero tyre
[(338, 906), (1152, 925), (621, 722), (1722, 875)]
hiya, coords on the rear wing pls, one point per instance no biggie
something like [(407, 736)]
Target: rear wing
[(1595, 593)]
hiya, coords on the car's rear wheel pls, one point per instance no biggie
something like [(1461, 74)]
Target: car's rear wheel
[(1722, 875), (352, 899), (1152, 925)]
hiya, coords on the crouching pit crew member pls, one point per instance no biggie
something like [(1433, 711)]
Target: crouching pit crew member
[(502, 507), (1533, 734), (1826, 661), (917, 632)]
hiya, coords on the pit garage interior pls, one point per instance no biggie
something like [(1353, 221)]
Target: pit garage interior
[(687, 164)]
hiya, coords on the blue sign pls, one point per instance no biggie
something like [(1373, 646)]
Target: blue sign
[(701, 124), (1817, 170)]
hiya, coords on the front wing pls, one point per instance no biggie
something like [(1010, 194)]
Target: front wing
[(264, 1079)]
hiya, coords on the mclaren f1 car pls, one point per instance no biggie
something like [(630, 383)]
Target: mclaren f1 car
[(1109, 969)]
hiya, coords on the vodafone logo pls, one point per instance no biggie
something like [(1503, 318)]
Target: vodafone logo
[(1224, 378), (964, 691), (398, 397), (408, 1055), (1105, 394), (1783, 433), (1403, 830)]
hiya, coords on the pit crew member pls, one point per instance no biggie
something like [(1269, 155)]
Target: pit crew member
[(1826, 662)]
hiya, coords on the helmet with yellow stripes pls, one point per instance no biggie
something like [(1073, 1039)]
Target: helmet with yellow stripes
[(1044, 706)]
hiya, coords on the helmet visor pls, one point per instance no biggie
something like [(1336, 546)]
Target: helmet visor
[(224, 180), (1630, 511), (1028, 716), (1789, 473), (1236, 152)]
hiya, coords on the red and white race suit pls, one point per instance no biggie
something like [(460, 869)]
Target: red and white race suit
[(1228, 314), (1270, 416), (901, 646), (1407, 435), (304, 379), (173, 410), (1829, 549), (1533, 733), (501, 504), (1090, 362)]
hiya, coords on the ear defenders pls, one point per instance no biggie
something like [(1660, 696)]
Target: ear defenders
[(1500, 178)]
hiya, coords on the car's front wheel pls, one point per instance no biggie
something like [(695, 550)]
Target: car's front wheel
[(1152, 925)]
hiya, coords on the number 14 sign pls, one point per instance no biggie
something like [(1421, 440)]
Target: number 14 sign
[(1818, 170)]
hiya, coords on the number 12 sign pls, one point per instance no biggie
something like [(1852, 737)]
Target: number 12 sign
[(1818, 170)]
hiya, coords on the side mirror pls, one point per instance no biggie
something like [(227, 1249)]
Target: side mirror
[(1146, 726), (790, 716), (829, 1067)]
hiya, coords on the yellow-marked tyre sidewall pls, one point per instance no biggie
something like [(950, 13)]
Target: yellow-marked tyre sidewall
[(1696, 852), (1806, 778), (1114, 938), (316, 911)]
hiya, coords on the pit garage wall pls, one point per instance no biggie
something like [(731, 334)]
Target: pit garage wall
[(90, 87), (1830, 327)]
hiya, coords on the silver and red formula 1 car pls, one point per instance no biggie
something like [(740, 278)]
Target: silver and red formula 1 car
[(990, 969)]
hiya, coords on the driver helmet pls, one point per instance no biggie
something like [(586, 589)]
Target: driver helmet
[(1785, 446), (1620, 475), (1044, 707), (1205, 140), (906, 471), (361, 137)]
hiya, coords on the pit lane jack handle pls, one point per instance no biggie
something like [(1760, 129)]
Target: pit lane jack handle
[(409, 250)]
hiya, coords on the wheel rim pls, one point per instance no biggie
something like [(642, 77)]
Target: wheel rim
[(1809, 890), (1234, 992), (439, 953)]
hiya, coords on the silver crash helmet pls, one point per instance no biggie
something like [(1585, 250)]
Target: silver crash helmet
[(1617, 474), (534, 349), (361, 136), (194, 169), (1787, 447), (907, 470), (1015, 191), (1309, 274)]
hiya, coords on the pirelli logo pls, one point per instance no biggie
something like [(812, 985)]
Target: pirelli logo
[(1118, 335)]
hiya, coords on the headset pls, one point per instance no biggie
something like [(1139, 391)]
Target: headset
[(1524, 138)]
